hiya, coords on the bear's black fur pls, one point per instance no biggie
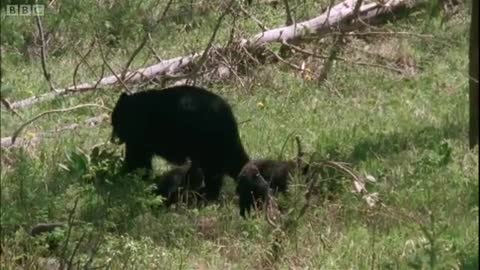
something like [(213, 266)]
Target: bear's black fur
[(180, 123), (180, 183), (278, 173), (252, 189)]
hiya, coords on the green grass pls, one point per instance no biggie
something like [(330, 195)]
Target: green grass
[(409, 131)]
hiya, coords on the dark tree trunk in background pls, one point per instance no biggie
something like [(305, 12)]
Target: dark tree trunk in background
[(473, 132)]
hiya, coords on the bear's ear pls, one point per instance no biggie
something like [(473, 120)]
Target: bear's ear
[(123, 95)]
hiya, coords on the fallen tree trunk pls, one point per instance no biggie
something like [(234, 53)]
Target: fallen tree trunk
[(163, 68), (334, 18)]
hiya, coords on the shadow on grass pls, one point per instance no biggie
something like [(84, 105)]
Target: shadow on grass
[(471, 263), (383, 145), (394, 143)]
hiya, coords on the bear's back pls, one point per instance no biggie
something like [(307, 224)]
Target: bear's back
[(178, 95)]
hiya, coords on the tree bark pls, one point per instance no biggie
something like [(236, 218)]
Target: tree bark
[(473, 70)]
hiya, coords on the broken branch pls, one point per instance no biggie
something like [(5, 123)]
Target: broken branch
[(43, 55), (6, 142), (17, 132)]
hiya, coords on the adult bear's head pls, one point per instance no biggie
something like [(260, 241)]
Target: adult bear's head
[(119, 118)]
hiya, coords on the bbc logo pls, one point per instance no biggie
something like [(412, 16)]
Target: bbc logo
[(25, 10)]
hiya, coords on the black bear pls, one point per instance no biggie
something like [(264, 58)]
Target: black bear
[(252, 189), (278, 173), (180, 183), (180, 123)]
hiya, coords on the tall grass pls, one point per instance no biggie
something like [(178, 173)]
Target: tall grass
[(409, 131)]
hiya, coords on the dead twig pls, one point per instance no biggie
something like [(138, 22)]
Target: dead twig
[(90, 121), (6, 142), (270, 209), (300, 153), (69, 231), (154, 53), (132, 57), (231, 35), (82, 60), (134, 54), (396, 70), (253, 18), (100, 78), (281, 59), (75, 249), (386, 33), (92, 253), (165, 10), (308, 196), (112, 71), (288, 21), (51, 3), (18, 130), (348, 171), (76, 89), (8, 106), (356, 9), (204, 56), (245, 121), (249, 55), (342, 59), (43, 55), (329, 60), (288, 12), (229, 66), (329, 9)]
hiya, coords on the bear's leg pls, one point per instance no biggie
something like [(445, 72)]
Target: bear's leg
[(245, 203), (213, 185), (194, 178), (137, 157)]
